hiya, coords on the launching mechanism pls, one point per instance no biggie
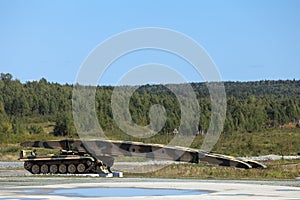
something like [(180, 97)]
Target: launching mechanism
[(97, 156)]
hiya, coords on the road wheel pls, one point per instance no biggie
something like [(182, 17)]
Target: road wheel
[(80, 167), (71, 168), (44, 169), (62, 168), (35, 169), (53, 169), (27, 165), (89, 163)]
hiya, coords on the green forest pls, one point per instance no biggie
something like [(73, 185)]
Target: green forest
[(251, 106)]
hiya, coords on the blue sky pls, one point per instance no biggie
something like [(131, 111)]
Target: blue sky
[(248, 40)]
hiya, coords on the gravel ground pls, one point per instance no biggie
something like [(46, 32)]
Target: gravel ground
[(12, 173), (11, 165), (272, 157)]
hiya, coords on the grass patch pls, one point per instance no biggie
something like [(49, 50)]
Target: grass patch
[(280, 142), (277, 170), (9, 152)]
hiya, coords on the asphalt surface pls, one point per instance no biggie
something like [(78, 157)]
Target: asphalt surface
[(34, 187)]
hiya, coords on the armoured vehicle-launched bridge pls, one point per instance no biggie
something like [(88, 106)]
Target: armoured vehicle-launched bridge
[(97, 156)]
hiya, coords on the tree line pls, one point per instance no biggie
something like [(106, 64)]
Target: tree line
[(251, 106)]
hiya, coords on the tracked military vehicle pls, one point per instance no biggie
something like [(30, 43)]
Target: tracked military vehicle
[(96, 156), (69, 161), (66, 162)]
